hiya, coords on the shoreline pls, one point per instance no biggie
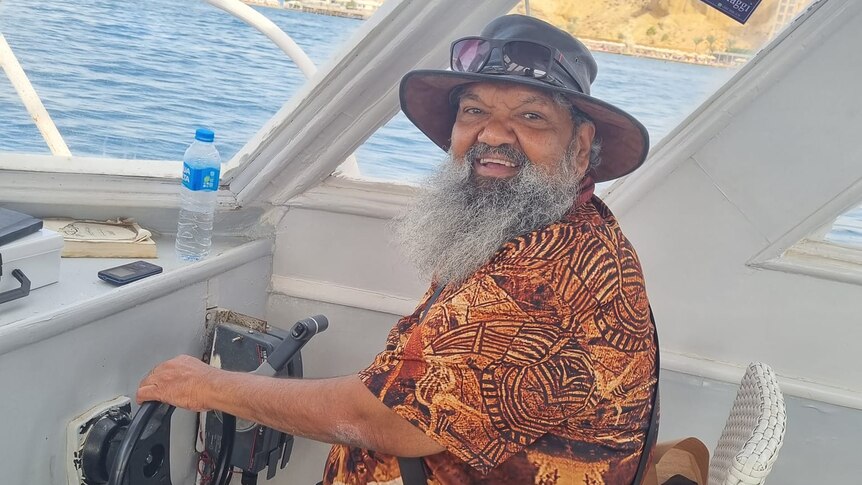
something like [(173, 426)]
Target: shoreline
[(716, 59), (332, 12), (317, 9)]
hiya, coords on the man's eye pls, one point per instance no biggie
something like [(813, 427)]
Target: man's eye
[(533, 116), (472, 111)]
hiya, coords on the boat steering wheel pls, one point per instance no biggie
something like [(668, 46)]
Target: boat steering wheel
[(117, 452), (139, 454)]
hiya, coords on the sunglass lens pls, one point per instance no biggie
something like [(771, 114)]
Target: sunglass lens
[(527, 57), (468, 55)]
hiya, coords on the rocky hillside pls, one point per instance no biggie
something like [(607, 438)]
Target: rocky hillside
[(688, 25)]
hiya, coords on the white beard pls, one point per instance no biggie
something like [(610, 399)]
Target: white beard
[(458, 222)]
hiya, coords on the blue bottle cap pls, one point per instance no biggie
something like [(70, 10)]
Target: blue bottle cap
[(204, 134)]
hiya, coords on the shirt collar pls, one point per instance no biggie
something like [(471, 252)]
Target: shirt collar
[(588, 187)]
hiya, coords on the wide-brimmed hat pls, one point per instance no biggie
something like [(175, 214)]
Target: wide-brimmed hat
[(427, 102)]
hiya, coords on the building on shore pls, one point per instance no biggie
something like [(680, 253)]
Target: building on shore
[(357, 9), (368, 5), (264, 3), (786, 11), (722, 59)]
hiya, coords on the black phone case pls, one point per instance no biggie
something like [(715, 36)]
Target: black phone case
[(127, 273)]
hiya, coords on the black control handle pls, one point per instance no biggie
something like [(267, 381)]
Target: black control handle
[(19, 292), (300, 333)]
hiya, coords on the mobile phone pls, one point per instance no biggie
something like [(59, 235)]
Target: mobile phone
[(126, 273)]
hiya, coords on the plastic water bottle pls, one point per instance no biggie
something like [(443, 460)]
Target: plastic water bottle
[(201, 167)]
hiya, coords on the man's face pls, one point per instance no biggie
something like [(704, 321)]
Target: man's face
[(522, 118)]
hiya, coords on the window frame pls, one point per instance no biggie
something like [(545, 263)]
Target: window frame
[(820, 259)]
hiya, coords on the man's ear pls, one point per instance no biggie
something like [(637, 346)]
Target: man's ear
[(584, 135)]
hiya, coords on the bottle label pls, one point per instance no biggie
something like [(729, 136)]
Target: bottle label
[(200, 178)]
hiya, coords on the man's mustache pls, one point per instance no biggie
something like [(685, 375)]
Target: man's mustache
[(506, 151)]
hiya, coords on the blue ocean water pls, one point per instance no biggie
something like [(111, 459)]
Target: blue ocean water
[(135, 82)]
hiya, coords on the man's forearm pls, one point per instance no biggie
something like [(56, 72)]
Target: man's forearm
[(311, 408), (337, 410)]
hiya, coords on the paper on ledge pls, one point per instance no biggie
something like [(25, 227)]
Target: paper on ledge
[(119, 230)]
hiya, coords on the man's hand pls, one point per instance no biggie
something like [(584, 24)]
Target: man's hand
[(180, 382)]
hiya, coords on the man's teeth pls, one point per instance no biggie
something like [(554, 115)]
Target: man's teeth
[(508, 163)]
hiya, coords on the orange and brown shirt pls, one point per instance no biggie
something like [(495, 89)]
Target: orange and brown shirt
[(539, 369)]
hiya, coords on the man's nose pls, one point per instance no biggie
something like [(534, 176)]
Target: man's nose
[(496, 132)]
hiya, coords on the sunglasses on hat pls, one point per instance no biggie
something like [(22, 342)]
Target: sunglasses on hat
[(517, 56)]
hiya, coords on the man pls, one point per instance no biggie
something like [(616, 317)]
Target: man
[(531, 359)]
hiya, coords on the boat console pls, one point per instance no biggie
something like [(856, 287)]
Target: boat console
[(113, 447)]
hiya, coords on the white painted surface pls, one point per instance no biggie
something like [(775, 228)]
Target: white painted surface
[(80, 296), (58, 378), (326, 292), (380, 200), (345, 250), (757, 169), (49, 381)]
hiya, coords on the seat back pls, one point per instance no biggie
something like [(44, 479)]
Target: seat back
[(754, 431)]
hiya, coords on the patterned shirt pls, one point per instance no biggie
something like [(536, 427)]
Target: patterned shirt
[(539, 369)]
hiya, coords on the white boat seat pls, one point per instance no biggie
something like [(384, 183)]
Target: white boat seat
[(754, 431)]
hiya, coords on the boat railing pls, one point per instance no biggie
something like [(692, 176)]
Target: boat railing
[(31, 100)]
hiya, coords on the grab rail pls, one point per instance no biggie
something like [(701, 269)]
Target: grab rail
[(266, 27), (31, 100), (284, 42)]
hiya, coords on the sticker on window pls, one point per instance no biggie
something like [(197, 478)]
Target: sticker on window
[(739, 10)]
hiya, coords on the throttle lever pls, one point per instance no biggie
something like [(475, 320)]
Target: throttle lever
[(299, 335)]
